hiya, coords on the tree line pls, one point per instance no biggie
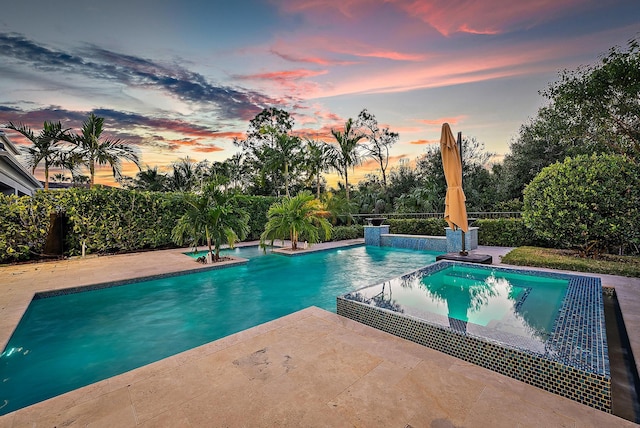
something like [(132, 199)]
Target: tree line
[(594, 109)]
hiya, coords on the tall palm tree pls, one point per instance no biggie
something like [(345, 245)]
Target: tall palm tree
[(346, 155), (296, 216), (284, 154), (213, 217), (94, 152), (45, 146), (318, 160)]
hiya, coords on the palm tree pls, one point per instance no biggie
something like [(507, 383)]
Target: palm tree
[(211, 216), (346, 155), (61, 178), (188, 175), (95, 152), (318, 159), (150, 179), (284, 153), (44, 146), (296, 216)]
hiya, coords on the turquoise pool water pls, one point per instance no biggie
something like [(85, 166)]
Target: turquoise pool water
[(65, 342)]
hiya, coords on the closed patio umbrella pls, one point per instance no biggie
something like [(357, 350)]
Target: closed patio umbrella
[(455, 211)]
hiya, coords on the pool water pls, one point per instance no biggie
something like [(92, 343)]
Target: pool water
[(69, 341), (495, 304)]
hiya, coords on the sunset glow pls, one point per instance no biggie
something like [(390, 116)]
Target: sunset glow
[(182, 79)]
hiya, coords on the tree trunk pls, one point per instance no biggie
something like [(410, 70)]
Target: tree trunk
[(286, 178), (318, 185), (215, 256), (46, 175), (92, 172), (346, 182)]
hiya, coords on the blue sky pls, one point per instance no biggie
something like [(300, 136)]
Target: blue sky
[(183, 78)]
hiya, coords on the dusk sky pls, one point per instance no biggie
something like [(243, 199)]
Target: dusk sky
[(182, 78)]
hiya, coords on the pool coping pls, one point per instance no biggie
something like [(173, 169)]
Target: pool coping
[(234, 261), (315, 248)]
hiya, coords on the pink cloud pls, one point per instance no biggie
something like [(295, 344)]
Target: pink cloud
[(479, 17), (447, 17), (298, 57), (285, 75), (327, 50), (453, 120)]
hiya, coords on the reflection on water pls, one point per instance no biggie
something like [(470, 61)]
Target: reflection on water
[(509, 303)]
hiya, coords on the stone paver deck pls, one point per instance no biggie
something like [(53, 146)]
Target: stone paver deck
[(311, 368)]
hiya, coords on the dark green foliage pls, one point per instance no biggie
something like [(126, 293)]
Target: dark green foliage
[(592, 109), (587, 203), (256, 207), (105, 219), (116, 220), (340, 233), (23, 227), (505, 232), (417, 226)]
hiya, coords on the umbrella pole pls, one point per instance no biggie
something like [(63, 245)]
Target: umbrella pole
[(463, 252)]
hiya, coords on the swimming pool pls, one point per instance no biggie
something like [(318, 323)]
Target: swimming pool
[(67, 341), (544, 328)]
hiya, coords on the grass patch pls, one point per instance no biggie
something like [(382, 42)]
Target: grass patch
[(570, 260)]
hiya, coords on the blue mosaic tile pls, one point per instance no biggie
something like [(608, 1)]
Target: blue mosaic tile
[(571, 361)]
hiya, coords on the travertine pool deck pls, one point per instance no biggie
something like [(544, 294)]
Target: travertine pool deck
[(311, 368)]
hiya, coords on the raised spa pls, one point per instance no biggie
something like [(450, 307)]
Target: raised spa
[(546, 329)]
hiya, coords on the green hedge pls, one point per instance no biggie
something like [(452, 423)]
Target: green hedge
[(417, 226), (23, 227), (505, 232), (256, 207), (115, 220), (339, 233), (106, 219)]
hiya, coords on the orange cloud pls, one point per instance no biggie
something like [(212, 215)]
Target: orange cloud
[(209, 149), (423, 142)]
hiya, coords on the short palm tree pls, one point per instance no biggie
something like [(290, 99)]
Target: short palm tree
[(95, 152), (213, 217), (345, 155), (45, 148), (296, 216)]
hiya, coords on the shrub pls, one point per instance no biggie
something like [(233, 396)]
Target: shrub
[(256, 207), (117, 220), (588, 203), (340, 233), (505, 232), (417, 226), (23, 227), (105, 219)]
